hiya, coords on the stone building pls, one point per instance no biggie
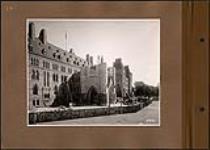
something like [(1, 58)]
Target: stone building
[(129, 77), (97, 84), (49, 66), (123, 79)]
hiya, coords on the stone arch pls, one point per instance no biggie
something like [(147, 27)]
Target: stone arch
[(92, 96)]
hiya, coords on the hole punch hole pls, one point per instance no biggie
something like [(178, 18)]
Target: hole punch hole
[(202, 40), (201, 109)]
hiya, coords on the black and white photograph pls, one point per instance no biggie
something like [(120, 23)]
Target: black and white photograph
[(93, 72)]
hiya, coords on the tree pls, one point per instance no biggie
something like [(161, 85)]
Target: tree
[(63, 96)]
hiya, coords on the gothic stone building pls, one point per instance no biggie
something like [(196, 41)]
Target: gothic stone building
[(49, 66), (123, 79), (98, 84)]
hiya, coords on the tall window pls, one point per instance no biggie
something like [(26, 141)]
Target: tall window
[(33, 74), (44, 79), (48, 79), (35, 89), (46, 65), (34, 102), (34, 61), (37, 75)]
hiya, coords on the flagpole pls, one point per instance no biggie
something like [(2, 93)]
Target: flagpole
[(66, 39)]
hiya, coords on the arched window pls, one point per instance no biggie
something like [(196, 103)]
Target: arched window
[(35, 89), (37, 62), (33, 74)]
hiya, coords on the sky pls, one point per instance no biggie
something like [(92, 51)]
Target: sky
[(136, 41)]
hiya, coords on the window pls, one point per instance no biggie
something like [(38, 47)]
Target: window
[(37, 62), (37, 102), (43, 51), (35, 89), (30, 47), (46, 64), (48, 79), (34, 103), (63, 69), (55, 66), (44, 79), (33, 74), (34, 61), (37, 75), (47, 95), (53, 77), (67, 59), (63, 78)]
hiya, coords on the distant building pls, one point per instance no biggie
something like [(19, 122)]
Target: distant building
[(123, 79), (138, 83), (129, 77), (49, 66)]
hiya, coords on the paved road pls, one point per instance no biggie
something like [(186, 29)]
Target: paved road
[(147, 116)]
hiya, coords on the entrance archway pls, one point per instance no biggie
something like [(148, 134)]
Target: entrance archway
[(92, 96)]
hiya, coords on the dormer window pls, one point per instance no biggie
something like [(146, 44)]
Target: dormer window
[(43, 51), (30, 47)]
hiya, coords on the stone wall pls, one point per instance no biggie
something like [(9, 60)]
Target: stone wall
[(36, 117)]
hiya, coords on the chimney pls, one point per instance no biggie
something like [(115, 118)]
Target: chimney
[(31, 31), (102, 59), (98, 60), (43, 36)]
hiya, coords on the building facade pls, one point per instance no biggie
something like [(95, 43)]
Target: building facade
[(123, 79), (89, 84), (49, 66)]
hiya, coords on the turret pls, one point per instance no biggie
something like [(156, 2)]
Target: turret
[(43, 36), (31, 31), (88, 59), (91, 60)]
